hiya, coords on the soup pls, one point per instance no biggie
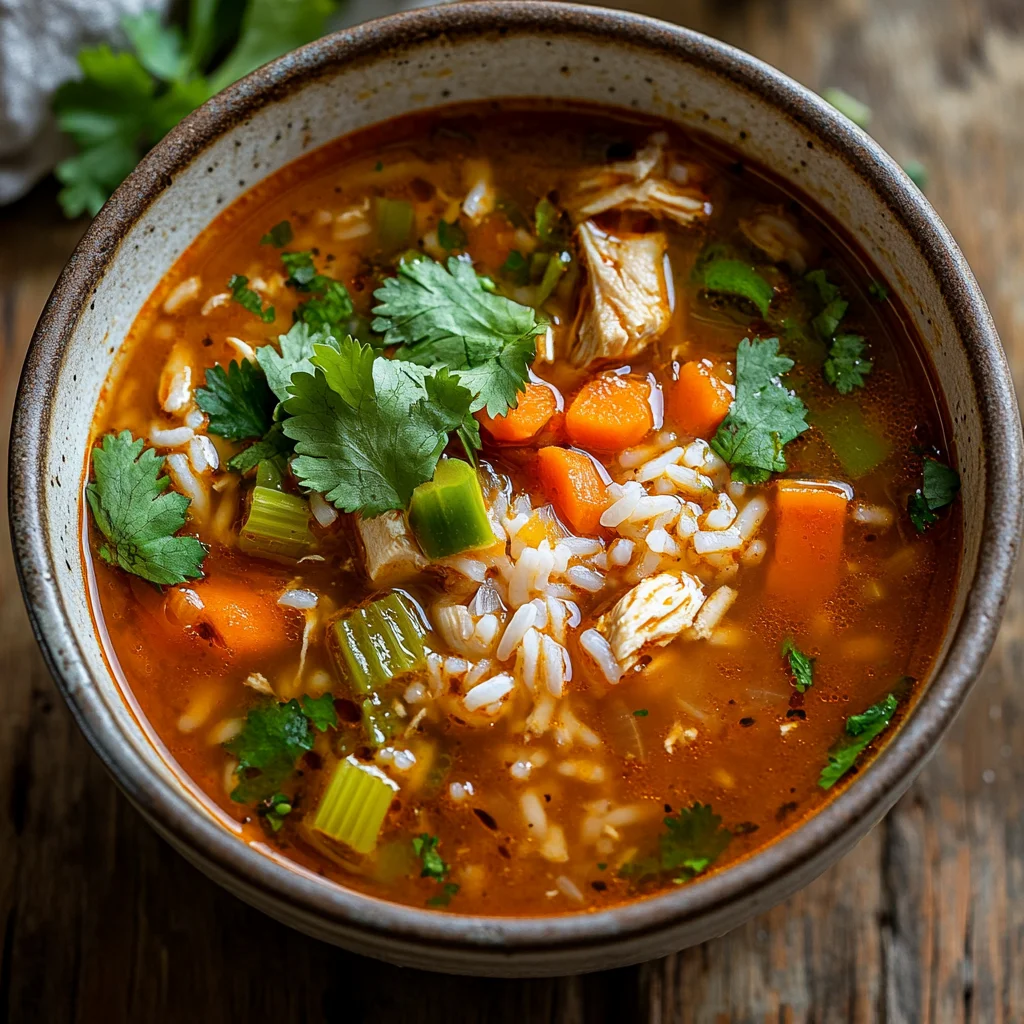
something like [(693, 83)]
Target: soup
[(521, 510)]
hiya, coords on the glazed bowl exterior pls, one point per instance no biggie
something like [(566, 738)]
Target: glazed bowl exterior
[(416, 61)]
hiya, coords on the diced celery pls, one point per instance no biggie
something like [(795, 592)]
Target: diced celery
[(858, 445), (556, 267), (447, 514), (394, 219), (380, 720), (734, 277), (277, 526), (354, 805), (269, 473), (380, 642), (547, 221)]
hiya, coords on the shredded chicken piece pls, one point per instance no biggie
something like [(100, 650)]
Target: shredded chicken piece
[(628, 305), (259, 682), (643, 184), (655, 612), (392, 554), (775, 234)]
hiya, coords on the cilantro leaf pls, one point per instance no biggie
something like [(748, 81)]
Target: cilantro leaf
[(320, 712), (295, 355), (449, 316), (444, 897), (368, 430), (940, 485), (238, 401), (801, 667), (273, 444), (125, 102), (330, 309), (846, 367), (878, 291), (274, 810), (249, 299), (274, 737), (860, 731), (694, 839), (764, 417), (279, 235), (425, 847), (139, 520), (496, 383)]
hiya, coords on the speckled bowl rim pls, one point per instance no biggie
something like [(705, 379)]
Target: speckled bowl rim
[(333, 907)]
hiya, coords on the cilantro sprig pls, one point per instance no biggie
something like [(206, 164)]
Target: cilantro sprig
[(137, 515), (125, 102), (274, 737), (860, 731), (939, 486), (425, 847), (249, 299), (765, 415), (237, 400), (692, 841), (847, 365), (801, 667)]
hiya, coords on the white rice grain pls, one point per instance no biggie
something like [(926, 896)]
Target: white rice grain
[(581, 546), (220, 299), (488, 692), (621, 552), (243, 348), (750, 518), (712, 611), (653, 469), (552, 665), (553, 847), (298, 599), (175, 437), (584, 578), (708, 542), (689, 481), (533, 811), (182, 294), (600, 650), (754, 553), (202, 455), (569, 888), (529, 651), (620, 510), (323, 511), (878, 516), (524, 618), (187, 482)]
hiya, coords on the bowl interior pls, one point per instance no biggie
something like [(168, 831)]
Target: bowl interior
[(422, 60)]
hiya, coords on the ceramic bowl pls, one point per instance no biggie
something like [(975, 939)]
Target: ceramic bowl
[(425, 59)]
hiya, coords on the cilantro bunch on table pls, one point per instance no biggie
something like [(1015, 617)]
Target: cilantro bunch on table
[(126, 101)]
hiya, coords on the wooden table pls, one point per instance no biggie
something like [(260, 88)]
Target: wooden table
[(923, 921)]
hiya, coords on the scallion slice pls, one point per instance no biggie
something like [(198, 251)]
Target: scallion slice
[(354, 805), (277, 526), (447, 514)]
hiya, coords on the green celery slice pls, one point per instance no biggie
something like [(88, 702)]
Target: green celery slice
[(858, 445), (354, 805), (379, 720), (556, 267), (380, 642), (269, 473), (394, 219), (447, 514), (739, 279), (277, 526)]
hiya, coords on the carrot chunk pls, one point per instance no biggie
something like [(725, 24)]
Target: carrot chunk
[(490, 241), (537, 404), (574, 486), (808, 542), (243, 620), (698, 400), (610, 413)]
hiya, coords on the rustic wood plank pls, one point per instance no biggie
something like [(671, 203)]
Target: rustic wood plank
[(923, 921)]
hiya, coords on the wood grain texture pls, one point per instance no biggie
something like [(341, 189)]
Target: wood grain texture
[(923, 921)]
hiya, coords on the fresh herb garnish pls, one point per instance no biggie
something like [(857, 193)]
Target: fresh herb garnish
[(451, 237), (939, 487), (641, 713), (765, 415), (272, 444), (878, 291), (425, 847), (294, 355), (320, 712), (137, 515), (329, 307), (547, 223), (801, 667), (275, 735), (279, 235), (249, 299), (274, 810), (452, 317), (694, 839), (860, 731), (368, 430), (238, 401), (125, 102), (846, 367)]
